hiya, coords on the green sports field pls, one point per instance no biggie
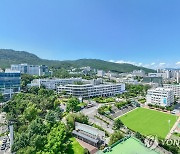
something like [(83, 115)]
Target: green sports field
[(149, 122), (130, 146)]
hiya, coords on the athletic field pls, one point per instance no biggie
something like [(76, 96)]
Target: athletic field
[(130, 146), (149, 122)]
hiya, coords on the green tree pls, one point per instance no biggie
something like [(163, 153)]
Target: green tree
[(34, 90), (117, 135), (27, 150), (26, 79), (20, 142), (38, 141), (1, 98), (51, 117), (76, 117), (37, 127), (56, 103), (57, 140), (117, 124), (139, 136), (31, 112), (72, 104)]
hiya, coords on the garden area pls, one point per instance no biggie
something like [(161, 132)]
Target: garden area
[(104, 99), (122, 104), (165, 109), (142, 100), (105, 110)]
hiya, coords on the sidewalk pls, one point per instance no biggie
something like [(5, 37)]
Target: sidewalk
[(173, 128)]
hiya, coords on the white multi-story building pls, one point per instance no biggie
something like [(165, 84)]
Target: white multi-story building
[(140, 73), (53, 83), (168, 74), (127, 80), (174, 87), (100, 73), (160, 96), (178, 77), (163, 75), (90, 90), (31, 69)]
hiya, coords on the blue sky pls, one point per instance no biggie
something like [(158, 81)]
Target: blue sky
[(141, 32)]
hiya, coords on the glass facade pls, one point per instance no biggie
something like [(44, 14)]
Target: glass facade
[(10, 82)]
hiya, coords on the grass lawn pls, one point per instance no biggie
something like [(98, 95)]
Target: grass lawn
[(149, 122), (76, 148)]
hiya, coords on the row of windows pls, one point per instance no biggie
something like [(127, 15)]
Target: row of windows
[(10, 75)]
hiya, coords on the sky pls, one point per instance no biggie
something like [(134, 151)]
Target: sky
[(141, 32)]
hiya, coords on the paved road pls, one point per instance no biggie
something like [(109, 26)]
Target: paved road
[(177, 106), (3, 129), (91, 112), (173, 128)]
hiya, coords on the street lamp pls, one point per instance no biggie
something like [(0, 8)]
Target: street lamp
[(169, 121)]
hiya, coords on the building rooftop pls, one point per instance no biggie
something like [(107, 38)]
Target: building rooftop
[(160, 89), (129, 146), (85, 137), (89, 129), (90, 85)]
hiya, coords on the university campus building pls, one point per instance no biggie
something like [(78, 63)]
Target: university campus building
[(160, 96), (90, 90)]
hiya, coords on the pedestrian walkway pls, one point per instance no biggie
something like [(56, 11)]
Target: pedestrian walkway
[(173, 128)]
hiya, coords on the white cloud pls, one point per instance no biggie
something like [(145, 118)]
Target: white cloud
[(111, 61), (178, 63), (122, 61), (162, 64), (152, 65), (140, 64), (127, 62)]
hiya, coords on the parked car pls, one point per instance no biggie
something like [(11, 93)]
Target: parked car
[(173, 112), (5, 138), (89, 105), (4, 141), (3, 146)]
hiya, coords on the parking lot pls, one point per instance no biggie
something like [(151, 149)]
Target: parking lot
[(4, 140), (120, 112)]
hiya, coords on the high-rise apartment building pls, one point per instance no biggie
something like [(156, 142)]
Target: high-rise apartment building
[(174, 87)]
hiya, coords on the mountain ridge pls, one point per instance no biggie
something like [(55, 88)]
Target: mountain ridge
[(9, 56)]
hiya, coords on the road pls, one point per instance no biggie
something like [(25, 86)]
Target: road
[(173, 128), (91, 112), (3, 129)]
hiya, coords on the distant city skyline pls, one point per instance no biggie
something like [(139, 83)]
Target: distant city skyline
[(143, 33)]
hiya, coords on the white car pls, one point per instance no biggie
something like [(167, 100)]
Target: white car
[(173, 112)]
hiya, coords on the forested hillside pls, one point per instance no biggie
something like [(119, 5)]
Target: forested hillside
[(8, 57)]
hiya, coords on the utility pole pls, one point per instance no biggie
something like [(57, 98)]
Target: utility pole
[(11, 135), (169, 121)]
